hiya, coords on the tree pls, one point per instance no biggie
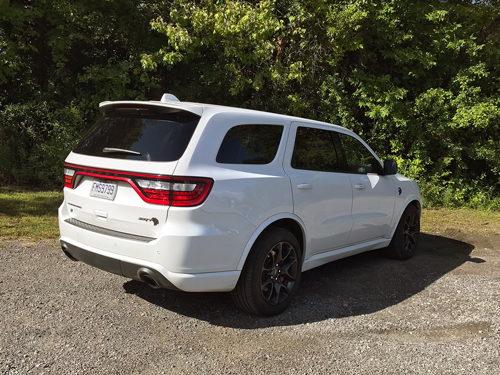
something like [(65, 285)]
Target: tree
[(58, 60), (418, 79)]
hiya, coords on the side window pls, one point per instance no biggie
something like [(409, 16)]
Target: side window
[(314, 150), (356, 157), (250, 144)]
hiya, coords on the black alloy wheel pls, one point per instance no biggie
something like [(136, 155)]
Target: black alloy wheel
[(411, 232), (271, 275), (405, 240), (279, 272)]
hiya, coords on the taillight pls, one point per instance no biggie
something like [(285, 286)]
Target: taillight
[(165, 190), (68, 177), (177, 191)]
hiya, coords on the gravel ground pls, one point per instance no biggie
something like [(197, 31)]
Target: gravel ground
[(435, 314)]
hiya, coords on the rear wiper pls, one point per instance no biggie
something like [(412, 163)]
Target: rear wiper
[(110, 149)]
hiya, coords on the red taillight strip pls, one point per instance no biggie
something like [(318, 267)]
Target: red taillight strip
[(111, 171), (192, 198), (172, 198)]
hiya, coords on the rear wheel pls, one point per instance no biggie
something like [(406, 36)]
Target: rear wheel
[(405, 240), (271, 275)]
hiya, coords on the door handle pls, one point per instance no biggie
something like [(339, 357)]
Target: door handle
[(359, 186), (304, 186)]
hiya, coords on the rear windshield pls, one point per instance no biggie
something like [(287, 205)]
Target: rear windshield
[(140, 135)]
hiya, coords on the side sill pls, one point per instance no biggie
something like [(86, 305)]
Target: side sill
[(329, 256)]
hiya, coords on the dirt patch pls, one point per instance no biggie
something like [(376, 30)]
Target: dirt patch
[(459, 332)]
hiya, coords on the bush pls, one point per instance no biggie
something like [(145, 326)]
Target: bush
[(35, 139)]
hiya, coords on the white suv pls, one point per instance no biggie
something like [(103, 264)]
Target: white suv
[(199, 197)]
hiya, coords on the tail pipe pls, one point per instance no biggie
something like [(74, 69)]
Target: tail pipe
[(147, 276)]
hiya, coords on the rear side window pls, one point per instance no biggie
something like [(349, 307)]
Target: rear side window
[(142, 134), (250, 144), (314, 150)]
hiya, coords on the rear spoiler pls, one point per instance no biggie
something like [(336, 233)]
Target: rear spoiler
[(174, 105)]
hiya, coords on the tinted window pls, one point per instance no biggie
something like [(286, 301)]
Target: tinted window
[(314, 150), (151, 135), (357, 157), (250, 144)]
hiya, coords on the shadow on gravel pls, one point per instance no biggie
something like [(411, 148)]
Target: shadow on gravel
[(357, 285)]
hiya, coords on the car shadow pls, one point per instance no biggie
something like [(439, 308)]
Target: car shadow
[(357, 285)]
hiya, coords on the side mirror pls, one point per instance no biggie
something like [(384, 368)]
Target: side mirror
[(390, 167)]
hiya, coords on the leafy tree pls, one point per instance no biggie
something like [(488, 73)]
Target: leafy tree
[(418, 79), (58, 60)]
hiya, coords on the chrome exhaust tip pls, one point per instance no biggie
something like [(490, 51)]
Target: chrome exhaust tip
[(147, 276)]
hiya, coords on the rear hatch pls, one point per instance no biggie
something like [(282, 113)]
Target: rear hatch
[(118, 180)]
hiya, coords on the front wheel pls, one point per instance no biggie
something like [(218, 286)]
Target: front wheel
[(271, 275), (405, 239)]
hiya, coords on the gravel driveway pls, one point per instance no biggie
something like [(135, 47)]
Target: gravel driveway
[(438, 313)]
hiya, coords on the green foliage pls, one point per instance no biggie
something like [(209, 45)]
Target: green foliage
[(35, 142), (58, 60), (419, 80)]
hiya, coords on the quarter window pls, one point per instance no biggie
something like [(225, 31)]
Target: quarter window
[(250, 144)]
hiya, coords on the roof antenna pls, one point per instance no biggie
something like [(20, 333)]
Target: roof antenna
[(169, 98)]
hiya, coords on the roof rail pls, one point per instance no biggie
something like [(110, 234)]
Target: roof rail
[(169, 98)]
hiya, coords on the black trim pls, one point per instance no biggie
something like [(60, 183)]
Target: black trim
[(108, 232), (116, 266)]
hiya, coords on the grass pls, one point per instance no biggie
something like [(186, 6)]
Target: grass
[(466, 220), (32, 215), (29, 214)]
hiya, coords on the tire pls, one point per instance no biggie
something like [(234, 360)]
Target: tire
[(271, 275), (405, 240)]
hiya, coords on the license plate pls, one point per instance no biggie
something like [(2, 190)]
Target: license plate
[(105, 190)]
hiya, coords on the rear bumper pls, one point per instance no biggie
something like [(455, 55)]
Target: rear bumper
[(193, 241), (132, 268)]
